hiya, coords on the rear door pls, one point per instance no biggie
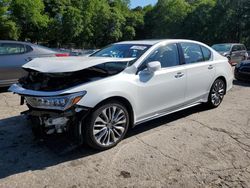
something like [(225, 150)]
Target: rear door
[(12, 57), (243, 52), (200, 71), (237, 54)]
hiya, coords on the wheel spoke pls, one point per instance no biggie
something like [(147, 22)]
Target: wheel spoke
[(116, 132), (99, 137), (113, 112), (119, 128), (118, 114), (112, 135), (100, 130), (221, 91), (120, 122), (101, 121), (120, 118), (104, 113)]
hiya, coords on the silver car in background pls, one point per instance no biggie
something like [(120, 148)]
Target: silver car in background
[(14, 54), (233, 51), (97, 99)]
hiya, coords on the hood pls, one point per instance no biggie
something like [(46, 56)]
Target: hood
[(69, 64)]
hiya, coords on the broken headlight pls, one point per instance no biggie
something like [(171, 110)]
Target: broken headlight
[(55, 103)]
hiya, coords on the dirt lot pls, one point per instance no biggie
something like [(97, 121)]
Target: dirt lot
[(192, 148)]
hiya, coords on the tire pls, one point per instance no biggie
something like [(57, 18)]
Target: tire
[(35, 127), (106, 126), (217, 93)]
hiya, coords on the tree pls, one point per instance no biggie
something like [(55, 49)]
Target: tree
[(8, 28), (199, 23), (30, 17), (166, 18)]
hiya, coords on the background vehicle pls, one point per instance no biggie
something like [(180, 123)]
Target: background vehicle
[(14, 54), (233, 51), (99, 97), (242, 71), (248, 57)]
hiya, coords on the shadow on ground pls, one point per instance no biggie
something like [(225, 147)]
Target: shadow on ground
[(19, 152), (4, 89)]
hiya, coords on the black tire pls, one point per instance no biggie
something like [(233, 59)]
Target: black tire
[(217, 93), (37, 130), (91, 122)]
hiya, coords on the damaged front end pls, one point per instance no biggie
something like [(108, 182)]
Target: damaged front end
[(52, 90), (56, 114)]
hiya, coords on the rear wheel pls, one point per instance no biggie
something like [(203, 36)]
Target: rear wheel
[(217, 93), (107, 125)]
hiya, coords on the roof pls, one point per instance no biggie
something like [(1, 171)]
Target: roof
[(13, 41), (229, 44), (155, 41), (142, 42)]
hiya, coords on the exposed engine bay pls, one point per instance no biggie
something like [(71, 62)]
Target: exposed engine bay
[(44, 89), (39, 81)]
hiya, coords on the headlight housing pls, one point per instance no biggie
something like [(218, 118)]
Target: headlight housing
[(55, 103)]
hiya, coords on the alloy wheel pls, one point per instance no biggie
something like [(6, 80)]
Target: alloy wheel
[(218, 92), (109, 126)]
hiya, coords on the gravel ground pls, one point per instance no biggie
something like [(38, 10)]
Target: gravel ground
[(193, 148)]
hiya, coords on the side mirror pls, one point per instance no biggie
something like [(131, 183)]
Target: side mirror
[(154, 66)]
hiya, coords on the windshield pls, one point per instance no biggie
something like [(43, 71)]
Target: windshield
[(122, 51), (222, 47)]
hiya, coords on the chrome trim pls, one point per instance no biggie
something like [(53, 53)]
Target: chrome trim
[(158, 115)]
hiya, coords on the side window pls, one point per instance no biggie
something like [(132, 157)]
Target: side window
[(192, 53), (28, 48), (242, 47), (206, 53), (167, 55), (11, 48), (236, 48)]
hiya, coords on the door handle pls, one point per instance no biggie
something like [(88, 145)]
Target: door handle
[(179, 75), (210, 67)]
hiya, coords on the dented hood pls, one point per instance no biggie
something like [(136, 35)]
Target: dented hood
[(69, 64)]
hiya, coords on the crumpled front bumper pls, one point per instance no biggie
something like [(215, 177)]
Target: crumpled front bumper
[(18, 89), (50, 121)]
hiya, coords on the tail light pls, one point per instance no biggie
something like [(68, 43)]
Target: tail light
[(62, 55)]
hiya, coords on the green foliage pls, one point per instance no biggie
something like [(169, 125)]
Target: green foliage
[(166, 18), (95, 23), (8, 28), (29, 16)]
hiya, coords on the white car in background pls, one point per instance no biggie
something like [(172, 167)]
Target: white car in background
[(98, 98)]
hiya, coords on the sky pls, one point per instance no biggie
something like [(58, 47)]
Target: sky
[(135, 3)]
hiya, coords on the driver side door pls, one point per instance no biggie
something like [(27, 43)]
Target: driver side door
[(163, 90)]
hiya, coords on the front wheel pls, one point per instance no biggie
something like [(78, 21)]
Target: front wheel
[(217, 93), (106, 126)]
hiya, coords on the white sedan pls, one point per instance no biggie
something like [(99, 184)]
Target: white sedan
[(98, 98)]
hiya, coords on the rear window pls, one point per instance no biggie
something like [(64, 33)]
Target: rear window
[(206, 53), (242, 47), (222, 47), (12, 48), (192, 53), (238, 48)]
